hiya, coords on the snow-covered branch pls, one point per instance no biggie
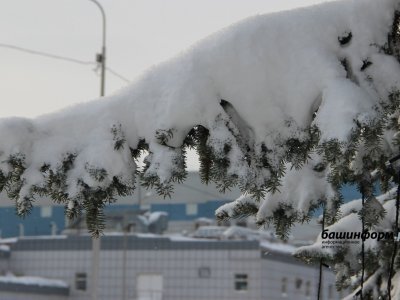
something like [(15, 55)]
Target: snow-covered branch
[(254, 99)]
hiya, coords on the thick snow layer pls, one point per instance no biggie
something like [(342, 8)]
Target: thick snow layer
[(8, 241), (278, 247), (44, 237), (281, 73), (30, 280), (4, 248), (299, 191), (152, 217), (156, 215)]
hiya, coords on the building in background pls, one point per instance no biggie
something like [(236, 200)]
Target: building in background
[(191, 200), (151, 267), (191, 204), (153, 249)]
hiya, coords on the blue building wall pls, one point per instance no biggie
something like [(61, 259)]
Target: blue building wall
[(350, 192), (35, 224)]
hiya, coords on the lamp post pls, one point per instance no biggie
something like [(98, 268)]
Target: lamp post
[(127, 230), (101, 57)]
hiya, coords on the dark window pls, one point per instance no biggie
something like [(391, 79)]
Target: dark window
[(204, 272), (298, 283), (80, 281), (308, 287), (241, 283), (284, 287), (330, 292)]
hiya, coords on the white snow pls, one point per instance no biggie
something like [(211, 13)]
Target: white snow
[(156, 215), (229, 208), (278, 247), (210, 232), (204, 220), (271, 68), (152, 217), (351, 222), (275, 70), (8, 241), (44, 237), (300, 189), (31, 280), (4, 248)]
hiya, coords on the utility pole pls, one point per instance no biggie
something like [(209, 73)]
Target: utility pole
[(101, 57), (96, 242), (127, 230)]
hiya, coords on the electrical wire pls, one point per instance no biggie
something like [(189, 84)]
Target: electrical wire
[(117, 74), (60, 57), (46, 54)]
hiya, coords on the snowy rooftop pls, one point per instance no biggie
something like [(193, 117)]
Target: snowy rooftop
[(217, 238), (4, 248), (30, 280), (33, 285)]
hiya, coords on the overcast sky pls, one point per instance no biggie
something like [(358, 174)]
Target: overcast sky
[(140, 33)]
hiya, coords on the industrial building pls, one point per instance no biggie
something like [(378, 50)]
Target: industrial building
[(151, 267)]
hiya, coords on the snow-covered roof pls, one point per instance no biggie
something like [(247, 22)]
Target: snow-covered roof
[(277, 247), (4, 248), (33, 285), (31, 280), (8, 240)]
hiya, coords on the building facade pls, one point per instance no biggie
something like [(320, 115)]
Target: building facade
[(149, 267)]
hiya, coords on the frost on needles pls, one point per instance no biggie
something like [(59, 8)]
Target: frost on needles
[(287, 106)]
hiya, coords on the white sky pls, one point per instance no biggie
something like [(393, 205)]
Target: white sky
[(140, 33)]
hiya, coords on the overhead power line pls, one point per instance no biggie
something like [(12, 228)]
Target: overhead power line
[(117, 75), (60, 57), (41, 53)]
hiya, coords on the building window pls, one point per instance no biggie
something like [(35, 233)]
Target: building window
[(330, 292), (284, 287), (308, 289), (241, 282), (149, 286), (46, 211), (145, 206), (298, 283), (80, 281), (204, 272), (191, 209)]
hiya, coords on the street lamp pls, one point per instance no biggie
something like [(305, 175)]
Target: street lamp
[(101, 57)]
